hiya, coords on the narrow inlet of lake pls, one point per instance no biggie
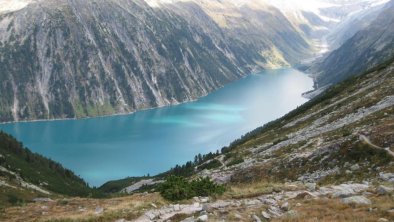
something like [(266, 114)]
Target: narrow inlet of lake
[(153, 141)]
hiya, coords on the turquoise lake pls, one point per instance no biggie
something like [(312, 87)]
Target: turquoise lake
[(153, 141)]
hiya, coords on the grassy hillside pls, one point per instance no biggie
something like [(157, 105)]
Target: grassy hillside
[(25, 175)]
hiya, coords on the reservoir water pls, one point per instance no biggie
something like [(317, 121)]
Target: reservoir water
[(153, 141)]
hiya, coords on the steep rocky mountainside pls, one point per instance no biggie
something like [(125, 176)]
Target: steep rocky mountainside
[(329, 22), (364, 50), (353, 23), (74, 58), (25, 175)]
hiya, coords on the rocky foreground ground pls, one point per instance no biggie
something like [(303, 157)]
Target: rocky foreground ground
[(280, 205), (263, 202)]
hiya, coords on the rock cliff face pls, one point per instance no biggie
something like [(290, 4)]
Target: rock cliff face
[(74, 58), (366, 49)]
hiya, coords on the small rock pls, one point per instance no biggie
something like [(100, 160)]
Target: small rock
[(310, 186), (150, 215), (387, 176), (372, 209), (268, 201), (196, 204), (153, 205), (355, 167), (203, 213), (177, 207), (42, 199), (189, 219), (220, 204), (256, 218), (252, 202), (99, 210), (204, 199), (196, 199), (275, 211), (285, 206), (202, 218), (44, 207), (356, 200), (344, 190), (207, 208), (382, 190), (238, 216), (383, 220), (348, 172), (278, 197), (266, 215)]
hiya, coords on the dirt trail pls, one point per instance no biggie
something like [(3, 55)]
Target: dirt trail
[(366, 140)]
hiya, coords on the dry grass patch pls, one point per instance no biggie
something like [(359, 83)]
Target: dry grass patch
[(83, 209), (328, 210), (256, 189)]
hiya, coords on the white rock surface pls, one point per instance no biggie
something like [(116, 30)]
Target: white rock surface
[(384, 190), (356, 200)]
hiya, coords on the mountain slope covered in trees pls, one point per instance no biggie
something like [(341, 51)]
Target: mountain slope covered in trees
[(25, 175)]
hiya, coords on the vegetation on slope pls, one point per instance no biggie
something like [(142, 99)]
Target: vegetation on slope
[(200, 162), (179, 188), (322, 99), (20, 168)]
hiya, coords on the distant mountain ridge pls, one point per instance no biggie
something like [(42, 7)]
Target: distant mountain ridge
[(74, 59), (367, 48)]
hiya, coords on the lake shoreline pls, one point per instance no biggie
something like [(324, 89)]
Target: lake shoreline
[(139, 110)]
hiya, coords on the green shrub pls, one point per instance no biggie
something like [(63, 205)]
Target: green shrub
[(35, 168), (235, 161), (229, 156), (204, 187), (14, 200), (179, 188), (176, 188), (210, 165)]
